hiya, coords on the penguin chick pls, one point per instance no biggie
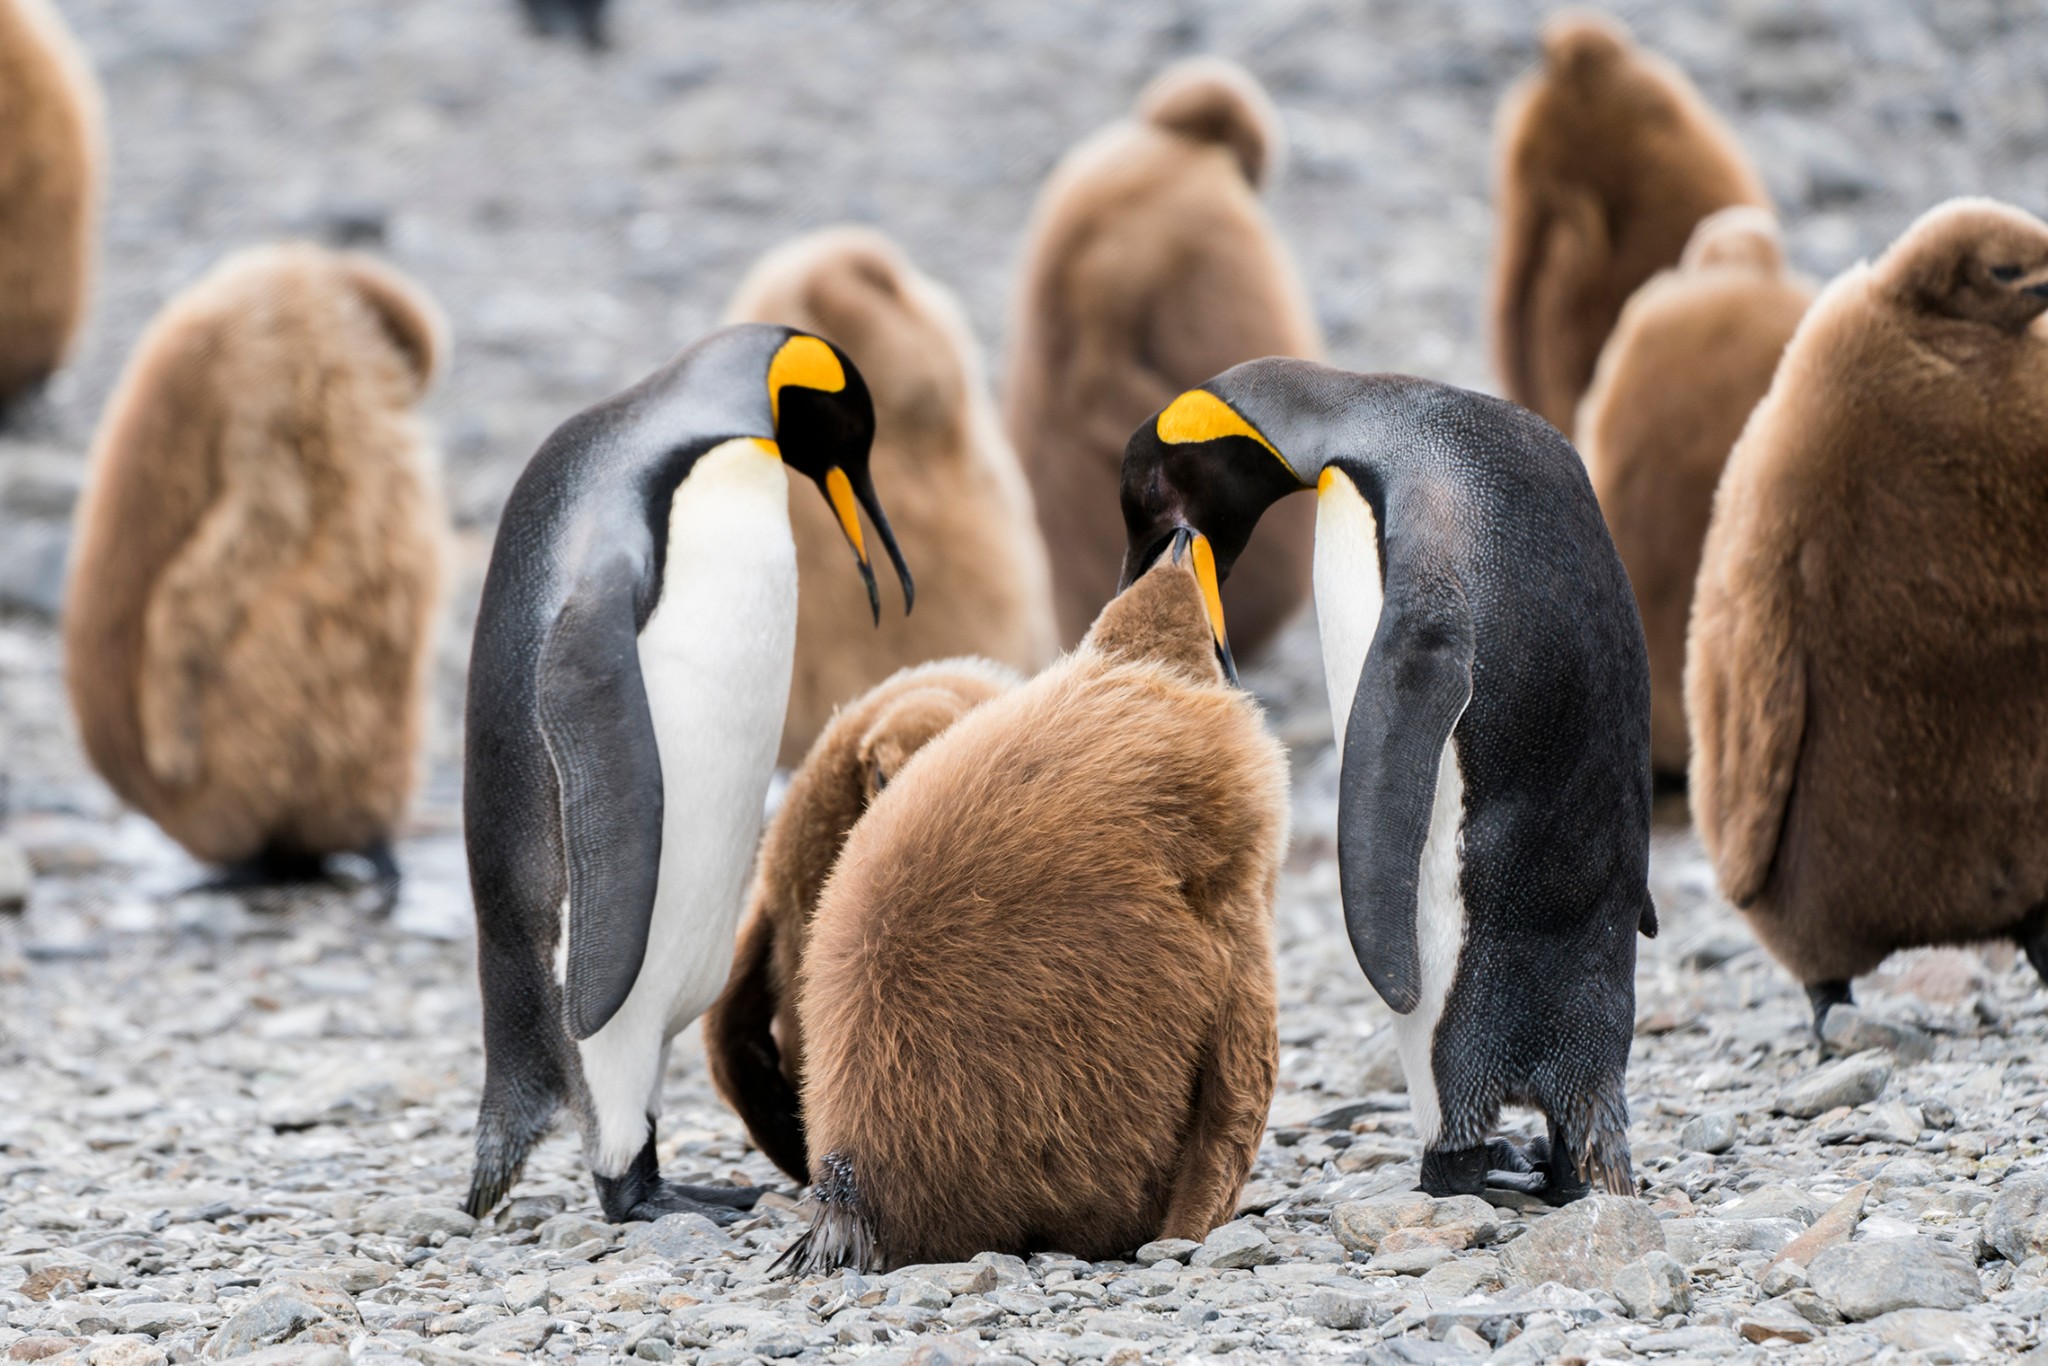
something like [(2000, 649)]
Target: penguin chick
[(1692, 354), (753, 1037), (958, 500), (257, 563), (1491, 702), (1607, 158), (1149, 266), (1870, 734), (52, 158), (627, 686), (1037, 1003)]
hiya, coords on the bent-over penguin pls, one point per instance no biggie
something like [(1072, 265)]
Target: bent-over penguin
[(626, 692), (1870, 631), (1491, 697)]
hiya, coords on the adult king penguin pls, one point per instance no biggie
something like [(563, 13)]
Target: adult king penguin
[(626, 693), (1491, 695)]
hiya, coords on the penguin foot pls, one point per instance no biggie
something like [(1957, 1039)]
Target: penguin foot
[(1454, 1172), (2033, 937), (274, 870), (720, 1204), (1825, 996)]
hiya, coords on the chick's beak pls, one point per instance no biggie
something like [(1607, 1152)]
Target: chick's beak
[(1187, 541), (848, 499)]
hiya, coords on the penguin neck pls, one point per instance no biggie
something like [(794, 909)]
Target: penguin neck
[(1348, 587)]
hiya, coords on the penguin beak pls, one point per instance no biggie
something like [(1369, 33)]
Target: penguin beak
[(1188, 541), (848, 499)]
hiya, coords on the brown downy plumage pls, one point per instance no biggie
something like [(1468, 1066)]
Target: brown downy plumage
[(753, 1035), (1149, 267), (1870, 729), (1693, 352), (258, 558), (1607, 159), (957, 499), (1038, 997), (51, 166)]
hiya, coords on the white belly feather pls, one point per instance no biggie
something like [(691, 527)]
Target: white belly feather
[(715, 658), (1348, 602)]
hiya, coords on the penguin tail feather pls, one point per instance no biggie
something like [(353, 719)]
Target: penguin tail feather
[(1209, 99), (842, 1231), (507, 1128)]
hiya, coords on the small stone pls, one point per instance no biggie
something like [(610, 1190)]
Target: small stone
[(2017, 1222), (262, 1322), (1652, 1287), (526, 1291), (155, 1318), (1831, 1229), (354, 1275), (917, 1293), (1462, 1276), (1781, 1276), (1584, 1244), (1850, 1082), (1774, 1202), (1866, 1279), (1902, 1174), (1713, 1131), (1770, 1322), (653, 1349), (1849, 1030), (1466, 1342), (958, 1278), (127, 1352), (573, 1230), (1360, 1224), (1417, 1260), (410, 1217), (1234, 1245), (1936, 1335), (531, 1211), (1335, 1308), (1167, 1250), (945, 1351)]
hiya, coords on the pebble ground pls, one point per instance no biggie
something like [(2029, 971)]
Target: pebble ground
[(237, 1129)]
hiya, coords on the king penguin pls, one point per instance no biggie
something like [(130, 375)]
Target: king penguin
[(626, 692), (1490, 691)]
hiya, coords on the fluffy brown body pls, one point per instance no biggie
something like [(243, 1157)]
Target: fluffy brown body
[(1692, 354), (51, 165), (958, 502), (1150, 267), (1870, 733), (1607, 158), (753, 1034), (1038, 998), (258, 559)]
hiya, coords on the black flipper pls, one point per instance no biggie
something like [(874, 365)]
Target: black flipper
[(1414, 686), (600, 735)]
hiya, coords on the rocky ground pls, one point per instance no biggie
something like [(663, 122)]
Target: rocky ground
[(235, 1128)]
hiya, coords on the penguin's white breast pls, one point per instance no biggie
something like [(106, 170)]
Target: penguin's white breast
[(715, 659), (1349, 596)]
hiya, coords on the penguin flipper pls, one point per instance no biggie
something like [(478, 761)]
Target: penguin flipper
[(1415, 684), (600, 737), (744, 1059)]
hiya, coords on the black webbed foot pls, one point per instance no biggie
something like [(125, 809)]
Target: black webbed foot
[(641, 1193)]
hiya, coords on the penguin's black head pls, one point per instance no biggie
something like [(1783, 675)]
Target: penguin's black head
[(824, 425), (1198, 476)]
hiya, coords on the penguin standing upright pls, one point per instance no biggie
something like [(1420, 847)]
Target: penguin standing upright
[(1491, 696), (626, 692)]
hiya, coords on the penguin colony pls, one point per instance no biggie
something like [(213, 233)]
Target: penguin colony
[(1150, 266), (753, 1034), (960, 506), (1855, 477)]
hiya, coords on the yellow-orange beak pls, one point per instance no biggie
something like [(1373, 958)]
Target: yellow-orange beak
[(1195, 543)]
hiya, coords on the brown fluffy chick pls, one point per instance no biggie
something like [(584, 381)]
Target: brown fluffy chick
[(257, 564), (1870, 632), (957, 499), (1150, 266), (753, 1034), (52, 160), (1038, 998), (1693, 352), (1607, 157)]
